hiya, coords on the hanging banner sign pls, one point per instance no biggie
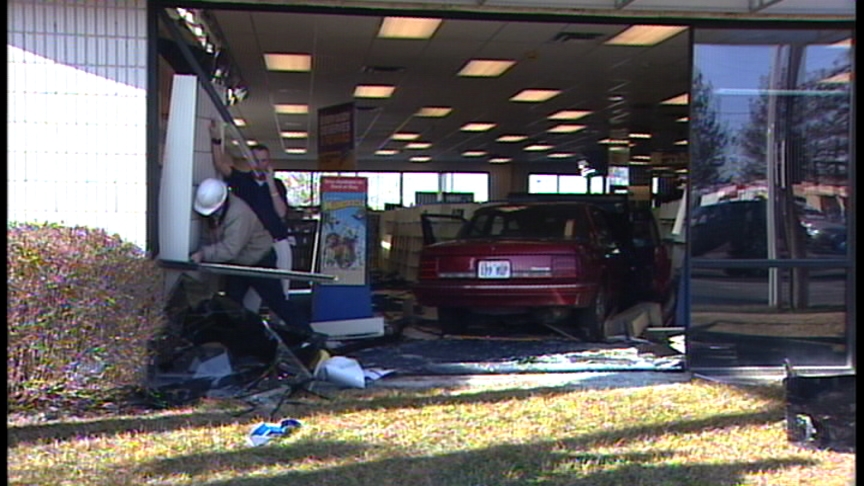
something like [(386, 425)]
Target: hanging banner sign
[(336, 138), (343, 229)]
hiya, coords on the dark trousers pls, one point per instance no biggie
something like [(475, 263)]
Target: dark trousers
[(270, 290)]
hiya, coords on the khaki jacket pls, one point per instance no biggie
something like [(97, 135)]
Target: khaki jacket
[(240, 238)]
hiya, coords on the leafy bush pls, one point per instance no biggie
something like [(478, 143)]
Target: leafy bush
[(82, 308)]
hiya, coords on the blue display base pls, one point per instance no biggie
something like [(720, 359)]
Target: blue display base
[(338, 302)]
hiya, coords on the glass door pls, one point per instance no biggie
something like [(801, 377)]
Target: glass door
[(770, 256)]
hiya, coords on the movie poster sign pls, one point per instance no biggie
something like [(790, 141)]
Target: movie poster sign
[(343, 229), (336, 138)]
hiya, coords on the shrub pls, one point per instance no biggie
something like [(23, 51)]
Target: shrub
[(82, 308)]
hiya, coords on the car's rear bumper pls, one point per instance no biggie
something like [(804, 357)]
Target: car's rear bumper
[(460, 293)]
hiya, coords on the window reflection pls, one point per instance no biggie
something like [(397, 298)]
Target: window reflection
[(770, 122), (770, 118)]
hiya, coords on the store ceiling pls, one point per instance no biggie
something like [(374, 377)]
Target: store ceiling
[(622, 87)]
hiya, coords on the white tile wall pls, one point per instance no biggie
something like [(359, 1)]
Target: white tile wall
[(76, 116)]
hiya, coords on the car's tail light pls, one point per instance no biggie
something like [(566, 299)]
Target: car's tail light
[(565, 266), (428, 268)]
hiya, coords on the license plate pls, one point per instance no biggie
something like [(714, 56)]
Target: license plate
[(493, 269)]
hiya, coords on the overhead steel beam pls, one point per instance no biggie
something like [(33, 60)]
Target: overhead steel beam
[(619, 4), (757, 5)]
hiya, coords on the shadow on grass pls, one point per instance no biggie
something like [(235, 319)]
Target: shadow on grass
[(553, 462), (23, 434), (253, 458)]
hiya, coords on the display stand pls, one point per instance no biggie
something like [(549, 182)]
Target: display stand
[(343, 309)]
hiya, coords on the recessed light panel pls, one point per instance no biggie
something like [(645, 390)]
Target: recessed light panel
[(295, 151), (473, 153), (535, 95), (645, 35), (288, 109), (683, 119), (418, 145), (538, 147), (681, 99), (420, 158), (614, 141), (434, 111), (477, 127), (240, 122), (373, 91), (639, 135), (405, 136), (681, 142), (386, 152), (511, 138), (566, 128), (569, 114), (408, 27), (488, 68), (560, 155), (500, 160), (640, 157), (288, 62), (293, 134), (250, 142)]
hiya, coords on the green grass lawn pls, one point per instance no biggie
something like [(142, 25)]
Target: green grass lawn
[(696, 433)]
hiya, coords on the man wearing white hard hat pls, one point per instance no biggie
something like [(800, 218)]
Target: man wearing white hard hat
[(238, 237)]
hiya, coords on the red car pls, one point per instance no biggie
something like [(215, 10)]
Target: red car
[(550, 261)]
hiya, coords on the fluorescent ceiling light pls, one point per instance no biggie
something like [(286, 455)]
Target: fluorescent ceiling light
[(639, 135), (640, 157), (560, 155), (488, 68), (293, 134), (565, 128), (420, 158), (371, 91), (295, 150), (511, 138), (474, 153), (250, 142), (569, 115), (683, 119), (614, 141), (386, 152), (286, 109), (477, 127), (288, 62), (405, 136), (681, 99), (645, 35), (639, 162), (682, 171), (434, 111), (538, 147), (681, 142), (408, 27), (418, 145), (240, 122), (499, 160), (838, 78), (535, 95)]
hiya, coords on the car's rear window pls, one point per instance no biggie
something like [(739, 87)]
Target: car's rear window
[(522, 221)]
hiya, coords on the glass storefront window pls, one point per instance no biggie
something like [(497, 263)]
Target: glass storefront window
[(770, 124), (413, 182)]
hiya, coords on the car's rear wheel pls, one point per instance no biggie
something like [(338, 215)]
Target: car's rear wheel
[(591, 320), (452, 320)]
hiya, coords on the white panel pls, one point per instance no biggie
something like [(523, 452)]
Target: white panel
[(176, 186)]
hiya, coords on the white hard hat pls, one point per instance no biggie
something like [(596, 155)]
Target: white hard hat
[(210, 196)]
